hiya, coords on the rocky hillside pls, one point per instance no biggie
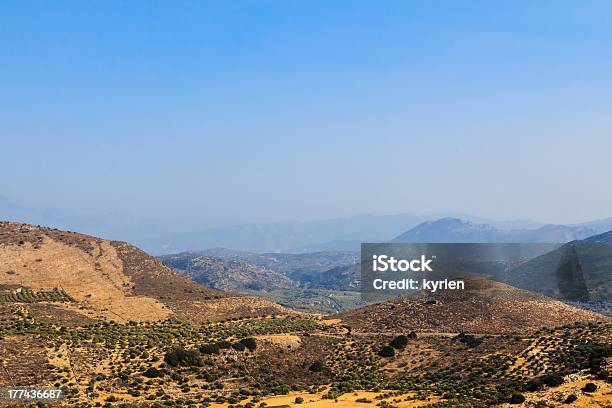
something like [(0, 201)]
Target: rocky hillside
[(227, 269), (108, 280), (228, 275), (286, 263)]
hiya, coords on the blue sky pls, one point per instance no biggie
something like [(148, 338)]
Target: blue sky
[(248, 111)]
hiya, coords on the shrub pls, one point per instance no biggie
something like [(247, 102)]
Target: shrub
[(181, 357), (589, 387), (469, 340), (552, 380), (387, 351), (249, 343), (224, 344), (534, 385), (209, 348), (152, 372), (399, 342), (570, 398), (238, 346), (516, 399), (317, 366), (299, 400)]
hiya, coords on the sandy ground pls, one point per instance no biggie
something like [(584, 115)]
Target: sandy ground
[(555, 397), (281, 339), (345, 400)]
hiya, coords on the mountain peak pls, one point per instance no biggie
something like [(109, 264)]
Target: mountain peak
[(449, 230), (455, 230)]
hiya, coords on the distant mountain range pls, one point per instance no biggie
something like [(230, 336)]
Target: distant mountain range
[(452, 230), (293, 237), (159, 237), (346, 234)]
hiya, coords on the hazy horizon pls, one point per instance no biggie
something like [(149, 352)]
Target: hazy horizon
[(198, 115)]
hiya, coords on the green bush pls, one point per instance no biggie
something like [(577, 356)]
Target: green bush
[(552, 380), (152, 372), (516, 399), (249, 343), (570, 398), (469, 340), (387, 352), (209, 348), (534, 385), (224, 344), (181, 357), (238, 346), (399, 342)]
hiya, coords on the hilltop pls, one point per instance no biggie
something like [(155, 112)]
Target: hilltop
[(485, 307)]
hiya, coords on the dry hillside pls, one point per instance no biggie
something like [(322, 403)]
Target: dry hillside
[(109, 279), (484, 307)]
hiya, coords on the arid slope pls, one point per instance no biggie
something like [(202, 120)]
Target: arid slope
[(485, 307), (110, 280)]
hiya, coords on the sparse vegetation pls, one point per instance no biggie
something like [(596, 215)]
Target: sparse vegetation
[(245, 360), (24, 295)]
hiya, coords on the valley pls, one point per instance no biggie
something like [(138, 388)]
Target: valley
[(320, 282)]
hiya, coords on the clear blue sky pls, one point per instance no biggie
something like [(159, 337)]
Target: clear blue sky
[(246, 111)]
